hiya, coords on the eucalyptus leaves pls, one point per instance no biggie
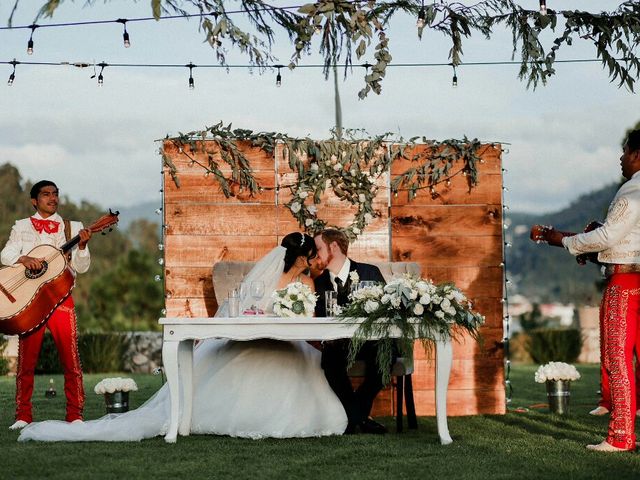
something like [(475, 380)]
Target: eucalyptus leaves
[(350, 167), (341, 29)]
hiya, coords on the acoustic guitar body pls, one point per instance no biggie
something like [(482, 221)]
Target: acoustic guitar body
[(27, 298)]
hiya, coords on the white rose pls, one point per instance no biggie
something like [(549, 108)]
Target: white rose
[(440, 314), (370, 306), (362, 197), (303, 194), (295, 207), (356, 230), (315, 167), (386, 298), (353, 172), (312, 209), (308, 222), (445, 304), (418, 309), (425, 299), (368, 217)]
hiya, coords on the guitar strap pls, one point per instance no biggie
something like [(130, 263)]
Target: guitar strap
[(67, 235)]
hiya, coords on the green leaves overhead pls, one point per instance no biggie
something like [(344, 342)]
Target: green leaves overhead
[(351, 167), (341, 28)]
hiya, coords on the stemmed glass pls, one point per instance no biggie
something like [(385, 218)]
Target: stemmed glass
[(257, 292)]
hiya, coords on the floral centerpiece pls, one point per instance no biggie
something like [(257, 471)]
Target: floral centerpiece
[(295, 300), (417, 307), (558, 377), (116, 393)]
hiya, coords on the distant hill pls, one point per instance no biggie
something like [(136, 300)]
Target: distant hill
[(545, 273), (144, 211)]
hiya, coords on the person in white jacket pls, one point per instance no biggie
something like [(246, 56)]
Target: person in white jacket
[(46, 226)]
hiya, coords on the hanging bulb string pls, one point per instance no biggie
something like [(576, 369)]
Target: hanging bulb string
[(191, 66), (30, 42)]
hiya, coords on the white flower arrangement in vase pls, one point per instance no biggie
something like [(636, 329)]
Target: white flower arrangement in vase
[(117, 384), (295, 300), (554, 371)]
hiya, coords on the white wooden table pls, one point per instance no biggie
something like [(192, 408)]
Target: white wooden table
[(178, 344)]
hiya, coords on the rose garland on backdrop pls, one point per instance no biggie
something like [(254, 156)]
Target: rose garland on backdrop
[(418, 308), (350, 166)]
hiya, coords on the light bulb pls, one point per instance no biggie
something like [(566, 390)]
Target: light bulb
[(543, 7), (12, 77), (125, 37)]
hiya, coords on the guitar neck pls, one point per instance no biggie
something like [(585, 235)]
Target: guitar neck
[(70, 244)]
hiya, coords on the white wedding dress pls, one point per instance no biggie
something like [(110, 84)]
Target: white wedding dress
[(254, 389)]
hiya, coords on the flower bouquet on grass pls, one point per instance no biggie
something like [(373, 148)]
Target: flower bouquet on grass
[(558, 377), (418, 308), (116, 393), (295, 300)]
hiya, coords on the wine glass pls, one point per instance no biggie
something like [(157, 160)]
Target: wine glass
[(257, 292)]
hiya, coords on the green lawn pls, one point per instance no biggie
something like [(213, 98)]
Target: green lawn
[(529, 443)]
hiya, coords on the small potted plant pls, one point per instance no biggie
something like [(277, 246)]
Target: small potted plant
[(116, 393), (558, 377)]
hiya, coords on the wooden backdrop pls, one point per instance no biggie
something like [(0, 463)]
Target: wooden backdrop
[(456, 236)]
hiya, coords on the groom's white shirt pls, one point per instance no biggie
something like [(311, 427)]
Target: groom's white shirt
[(343, 274)]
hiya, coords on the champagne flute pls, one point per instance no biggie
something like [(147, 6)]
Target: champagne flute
[(257, 292)]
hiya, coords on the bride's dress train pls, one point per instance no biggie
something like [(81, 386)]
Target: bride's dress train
[(256, 389), (252, 389)]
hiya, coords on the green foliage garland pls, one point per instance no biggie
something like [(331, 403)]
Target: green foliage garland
[(350, 166)]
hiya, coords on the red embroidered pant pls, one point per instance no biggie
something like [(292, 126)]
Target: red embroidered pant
[(605, 391), (620, 315), (62, 325)]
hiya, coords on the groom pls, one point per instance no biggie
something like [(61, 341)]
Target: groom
[(337, 275)]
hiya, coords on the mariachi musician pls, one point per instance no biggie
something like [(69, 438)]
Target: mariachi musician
[(46, 226), (617, 244)]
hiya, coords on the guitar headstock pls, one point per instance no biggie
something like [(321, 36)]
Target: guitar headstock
[(540, 233), (108, 220)]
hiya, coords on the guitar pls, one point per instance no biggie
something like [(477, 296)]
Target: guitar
[(29, 297), (540, 234)]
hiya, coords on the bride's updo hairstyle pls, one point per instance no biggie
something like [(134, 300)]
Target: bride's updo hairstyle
[(297, 245)]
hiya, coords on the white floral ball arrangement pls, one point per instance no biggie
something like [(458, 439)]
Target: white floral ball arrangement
[(295, 300), (556, 371), (117, 384)]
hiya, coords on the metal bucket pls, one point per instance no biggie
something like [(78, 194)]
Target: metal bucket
[(558, 395), (117, 402)]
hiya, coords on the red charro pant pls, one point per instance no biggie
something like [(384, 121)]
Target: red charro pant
[(620, 316), (605, 391), (62, 325)]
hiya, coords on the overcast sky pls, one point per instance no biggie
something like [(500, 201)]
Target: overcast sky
[(98, 143)]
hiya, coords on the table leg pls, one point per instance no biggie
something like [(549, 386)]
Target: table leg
[(444, 358), (185, 367), (170, 361)]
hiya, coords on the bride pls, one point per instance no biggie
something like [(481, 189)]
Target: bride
[(254, 389)]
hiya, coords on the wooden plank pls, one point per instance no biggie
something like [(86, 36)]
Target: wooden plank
[(487, 191), (466, 348), (473, 220), (473, 281), (463, 402), (442, 251), (204, 251), (490, 161), (185, 282), (196, 188), (341, 216), (465, 374), (246, 220), (257, 158), (191, 307)]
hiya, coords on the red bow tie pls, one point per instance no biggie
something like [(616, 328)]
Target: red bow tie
[(48, 226)]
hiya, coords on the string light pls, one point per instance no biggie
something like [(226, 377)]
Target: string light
[(30, 42), (125, 34), (318, 28), (192, 84), (278, 76), (454, 80), (12, 77), (422, 17), (543, 7), (100, 76)]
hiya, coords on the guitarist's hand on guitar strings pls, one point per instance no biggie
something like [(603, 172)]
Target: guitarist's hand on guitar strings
[(548, 234), (85, 236), (31, 263)]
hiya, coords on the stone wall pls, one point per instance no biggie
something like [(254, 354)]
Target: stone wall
[(143, 355)]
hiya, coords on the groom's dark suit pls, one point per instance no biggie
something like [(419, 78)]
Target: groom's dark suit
[(334, 354)]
